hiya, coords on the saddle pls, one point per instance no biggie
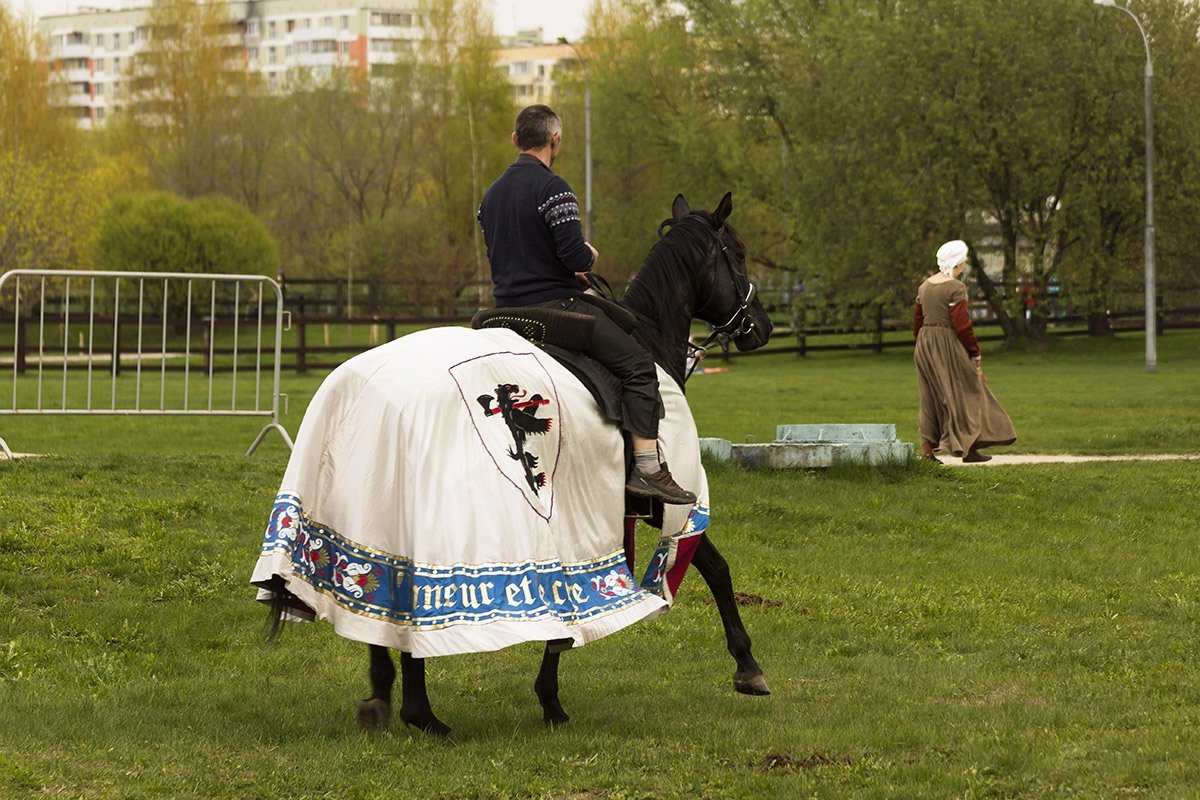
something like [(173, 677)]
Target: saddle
[(562, 335)]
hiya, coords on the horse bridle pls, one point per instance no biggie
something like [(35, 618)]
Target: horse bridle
[(739, 322)]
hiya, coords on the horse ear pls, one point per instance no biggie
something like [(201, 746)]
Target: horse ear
[(724, 208), (680, 208)]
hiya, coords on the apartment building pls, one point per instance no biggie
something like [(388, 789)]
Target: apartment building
[(92, 50), (529, 64)]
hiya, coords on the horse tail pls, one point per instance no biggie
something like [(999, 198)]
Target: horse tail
[(277, 616)]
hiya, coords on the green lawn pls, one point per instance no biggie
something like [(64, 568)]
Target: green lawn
[(1003, 632)]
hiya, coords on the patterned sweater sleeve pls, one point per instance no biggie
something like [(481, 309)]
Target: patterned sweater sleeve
[(560, 210)]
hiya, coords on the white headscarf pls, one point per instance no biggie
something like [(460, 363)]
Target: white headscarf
[(950, 255)]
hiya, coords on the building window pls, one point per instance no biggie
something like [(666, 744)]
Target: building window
[(116, 65), (252, 27), (140, 35), (288, 53), (291, 25), (391, 20), (308, 22), (542, 74), (116, 41), (271, 29), (272, 77), (345, 22), (99, 114), (326, 22), (253, 53), (271, 55), (345, 48), (99, 40), (99, 90)]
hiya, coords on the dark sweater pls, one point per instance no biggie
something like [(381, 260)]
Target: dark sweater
[(530, 221)]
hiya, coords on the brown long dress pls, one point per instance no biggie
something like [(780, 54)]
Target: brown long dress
[(958, 411)]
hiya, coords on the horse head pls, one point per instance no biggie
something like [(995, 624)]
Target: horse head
[(726, 298)]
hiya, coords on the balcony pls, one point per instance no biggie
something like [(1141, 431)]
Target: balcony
[(78, 100), (313, 34), (73, 51), (391, 32), (78, 75), (315, 59)]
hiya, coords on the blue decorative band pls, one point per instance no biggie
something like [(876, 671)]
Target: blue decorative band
[(376, 584)]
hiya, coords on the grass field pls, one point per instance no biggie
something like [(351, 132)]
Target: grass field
[(1001, 632)]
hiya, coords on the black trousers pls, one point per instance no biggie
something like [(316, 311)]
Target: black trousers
[(641, 404)]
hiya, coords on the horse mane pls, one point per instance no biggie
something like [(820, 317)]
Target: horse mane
[(663, 292)]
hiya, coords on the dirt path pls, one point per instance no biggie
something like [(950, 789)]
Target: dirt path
[(1037, 458)]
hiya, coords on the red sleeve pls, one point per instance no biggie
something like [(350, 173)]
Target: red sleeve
[(918, 319), (961, 319)]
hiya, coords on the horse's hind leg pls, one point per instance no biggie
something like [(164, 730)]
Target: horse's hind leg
[(415, 709), (546, 687), (715, 570), (375, 713)]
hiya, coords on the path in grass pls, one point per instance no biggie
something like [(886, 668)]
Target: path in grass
[(1008, 460)]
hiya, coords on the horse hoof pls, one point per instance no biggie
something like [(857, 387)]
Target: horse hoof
[(374, 715), (754, 685), (438, 730), (556, 720), (430, 725)]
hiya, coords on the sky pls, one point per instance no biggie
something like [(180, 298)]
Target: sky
[(557, 17)]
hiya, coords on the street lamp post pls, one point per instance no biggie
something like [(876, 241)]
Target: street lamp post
[(587, 140), (1151, 306)]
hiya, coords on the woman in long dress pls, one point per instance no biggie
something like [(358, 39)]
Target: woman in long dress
[(959, 415)]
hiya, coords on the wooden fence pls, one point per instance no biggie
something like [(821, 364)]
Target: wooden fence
[(309, 345)]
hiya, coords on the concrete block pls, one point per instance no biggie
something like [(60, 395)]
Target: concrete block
[(720, 449), (836, 433), (819, 455)]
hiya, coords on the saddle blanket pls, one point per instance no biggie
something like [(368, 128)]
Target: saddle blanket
[(458, 491)]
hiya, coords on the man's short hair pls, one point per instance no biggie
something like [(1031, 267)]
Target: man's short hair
[(535, 125)]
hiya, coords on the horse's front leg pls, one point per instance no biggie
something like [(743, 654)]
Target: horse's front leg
[(748, 679), (375, 713), (546, 688), (415, 709)]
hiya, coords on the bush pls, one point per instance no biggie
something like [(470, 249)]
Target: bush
[(159, 232)]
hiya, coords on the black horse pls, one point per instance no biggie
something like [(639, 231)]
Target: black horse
[(696, 270)]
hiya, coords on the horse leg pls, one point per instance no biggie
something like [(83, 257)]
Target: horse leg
[(375, 713), (415, 709), (748, 679), (546, 688)]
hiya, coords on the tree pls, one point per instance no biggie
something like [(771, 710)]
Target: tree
[(48, 191), (905, 125), (180, 93)]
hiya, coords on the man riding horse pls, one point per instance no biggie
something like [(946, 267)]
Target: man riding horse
[(530, 221)]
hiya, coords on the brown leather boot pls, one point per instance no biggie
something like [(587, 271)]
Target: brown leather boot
[(661, 486), (975, 457)]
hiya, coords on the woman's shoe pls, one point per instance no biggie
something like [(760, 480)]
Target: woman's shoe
[(974, 457), (927, 453)]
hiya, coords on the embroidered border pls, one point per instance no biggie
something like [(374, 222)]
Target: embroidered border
[(378, 585)]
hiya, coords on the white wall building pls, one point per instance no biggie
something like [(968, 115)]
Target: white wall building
[(92, 50)]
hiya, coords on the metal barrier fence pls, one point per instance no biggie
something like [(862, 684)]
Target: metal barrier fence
[(113, 303)]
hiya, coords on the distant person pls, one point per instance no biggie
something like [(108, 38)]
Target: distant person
[(531, 225), (958, 415)]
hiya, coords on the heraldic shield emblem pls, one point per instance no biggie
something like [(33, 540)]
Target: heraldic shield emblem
[(512, 403)]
